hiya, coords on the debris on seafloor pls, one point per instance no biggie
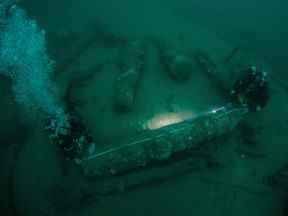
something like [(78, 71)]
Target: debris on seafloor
[(167, 171), (177, 63), (210, 69), (228, 59), (178, 66), (79, 80), (72, 52), (72, 48), (127, 81), (205, 62)]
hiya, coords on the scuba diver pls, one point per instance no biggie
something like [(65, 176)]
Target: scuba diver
[(74, 139), (251, 90)]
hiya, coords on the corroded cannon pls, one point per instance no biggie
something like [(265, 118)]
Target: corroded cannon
[(161, 144)]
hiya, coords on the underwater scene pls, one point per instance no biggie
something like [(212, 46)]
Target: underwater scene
[(143, 108)]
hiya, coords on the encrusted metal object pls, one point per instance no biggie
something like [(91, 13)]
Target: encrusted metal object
[(126, 84), (162, 143)]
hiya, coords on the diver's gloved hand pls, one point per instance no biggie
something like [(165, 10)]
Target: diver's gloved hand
[(251, 90)]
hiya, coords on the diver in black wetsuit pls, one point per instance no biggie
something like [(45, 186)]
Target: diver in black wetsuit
[(74, 140), (251, 90)]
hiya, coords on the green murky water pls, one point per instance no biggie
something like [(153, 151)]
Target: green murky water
[(120, 89)]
